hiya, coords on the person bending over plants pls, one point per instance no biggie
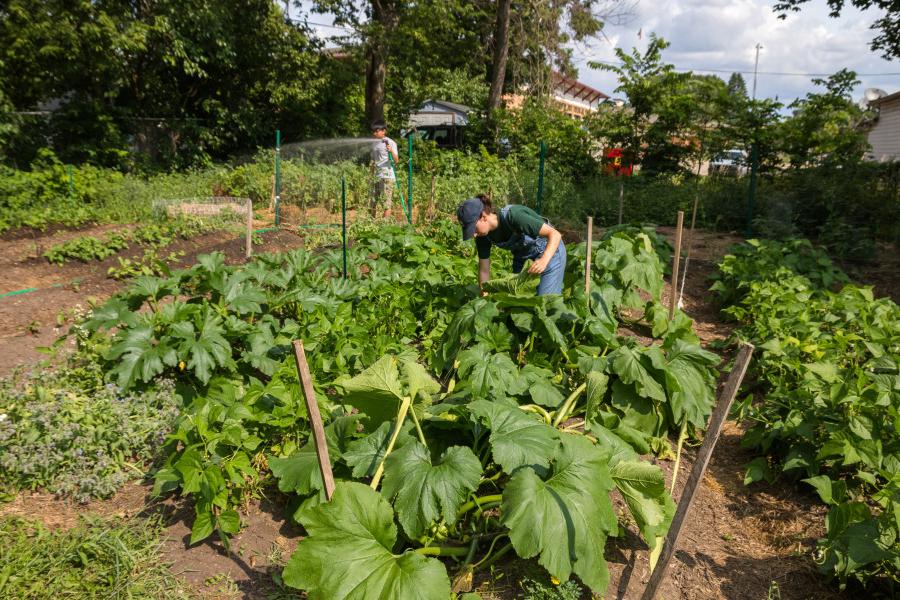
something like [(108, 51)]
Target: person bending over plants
[(521, 231)]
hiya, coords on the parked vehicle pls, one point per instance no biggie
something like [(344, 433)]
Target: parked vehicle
[(730, 162)]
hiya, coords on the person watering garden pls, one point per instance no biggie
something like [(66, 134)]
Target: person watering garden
[(521, 231), (383, 150)]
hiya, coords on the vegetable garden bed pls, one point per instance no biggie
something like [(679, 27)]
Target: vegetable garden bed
[(417, 336)]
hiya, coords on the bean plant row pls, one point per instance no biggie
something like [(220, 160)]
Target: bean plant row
[(825, 406)]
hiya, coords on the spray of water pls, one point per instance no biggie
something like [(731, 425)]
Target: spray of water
[(330, 150)]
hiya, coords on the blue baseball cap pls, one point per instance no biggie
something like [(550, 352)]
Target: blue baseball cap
[(468, 214)]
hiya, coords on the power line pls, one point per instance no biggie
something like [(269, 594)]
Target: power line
[(779, 73)]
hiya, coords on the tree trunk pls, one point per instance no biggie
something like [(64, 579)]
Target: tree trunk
[(501, 53), (384, 18)]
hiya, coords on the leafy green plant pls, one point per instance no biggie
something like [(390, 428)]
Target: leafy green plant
[(445, 403), (80, 444), (828, 374), (86, 248)]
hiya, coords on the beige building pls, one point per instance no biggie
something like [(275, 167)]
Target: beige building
[(569, 96), (884, 134)]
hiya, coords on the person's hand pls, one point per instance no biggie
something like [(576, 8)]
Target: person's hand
[(538, 266), (483, 293)]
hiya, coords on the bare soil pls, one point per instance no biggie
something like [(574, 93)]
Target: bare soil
[(738, 543)]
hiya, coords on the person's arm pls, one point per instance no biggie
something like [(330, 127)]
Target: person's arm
[(484, 272), (553, 240), (392, 148)]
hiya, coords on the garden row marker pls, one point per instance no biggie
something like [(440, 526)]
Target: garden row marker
[(675, 265), (717, 420), (344, 221), (277, 177), (621, 200), (587, 260), (249, 227), (409, 179), (315, 419), (690, 244)]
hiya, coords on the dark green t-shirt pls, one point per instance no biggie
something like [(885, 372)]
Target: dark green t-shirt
[(519, 219)]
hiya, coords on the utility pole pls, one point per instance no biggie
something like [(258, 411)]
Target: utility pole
[(755, 68)]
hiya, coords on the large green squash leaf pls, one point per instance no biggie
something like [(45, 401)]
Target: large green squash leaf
[(349, 553), (473, 317), (378, 391), (567, 517), (422, 491), (300, 472), (139, 356), (520, 284), (627, 363), (517, 438), (489, 374), (644, 488), (690, 383), (364, 455)]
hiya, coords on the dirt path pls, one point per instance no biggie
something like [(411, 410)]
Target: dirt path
[(739, 543)]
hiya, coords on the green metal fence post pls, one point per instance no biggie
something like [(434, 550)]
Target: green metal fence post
[(540, 189), (277, 177), (409, 181), (71, 181), (751, 196), (344, 220)]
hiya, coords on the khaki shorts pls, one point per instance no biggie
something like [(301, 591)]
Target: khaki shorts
[(383, 189)]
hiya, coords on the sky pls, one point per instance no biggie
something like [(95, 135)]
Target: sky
[(706, 35)]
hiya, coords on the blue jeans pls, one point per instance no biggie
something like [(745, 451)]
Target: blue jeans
[(552, 277)]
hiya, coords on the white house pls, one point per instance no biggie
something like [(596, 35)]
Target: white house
[(884, 134)]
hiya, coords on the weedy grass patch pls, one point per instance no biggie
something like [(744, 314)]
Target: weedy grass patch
[(98, 558)]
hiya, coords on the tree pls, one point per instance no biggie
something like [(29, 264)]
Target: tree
[(887, 41), (181, 82), (824, 126), (375, 22), (737, 87), (501, 54), (652, 127)]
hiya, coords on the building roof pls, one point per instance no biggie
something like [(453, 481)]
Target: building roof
[(885, 99), (461, 108), (567, 85)]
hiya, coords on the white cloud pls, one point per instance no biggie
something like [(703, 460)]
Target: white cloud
[(722, 34)]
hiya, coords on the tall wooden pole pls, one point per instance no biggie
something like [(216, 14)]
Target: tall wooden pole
[(249, 227), (587, 259), (315, 418), (716, 422), (676, 265)]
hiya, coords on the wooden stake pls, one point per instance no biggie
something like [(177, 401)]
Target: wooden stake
[(675, 265), (587, 260), (621, 200), (716, 422), (249, 227), (315, 418), (690, 244), (430, 213)]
